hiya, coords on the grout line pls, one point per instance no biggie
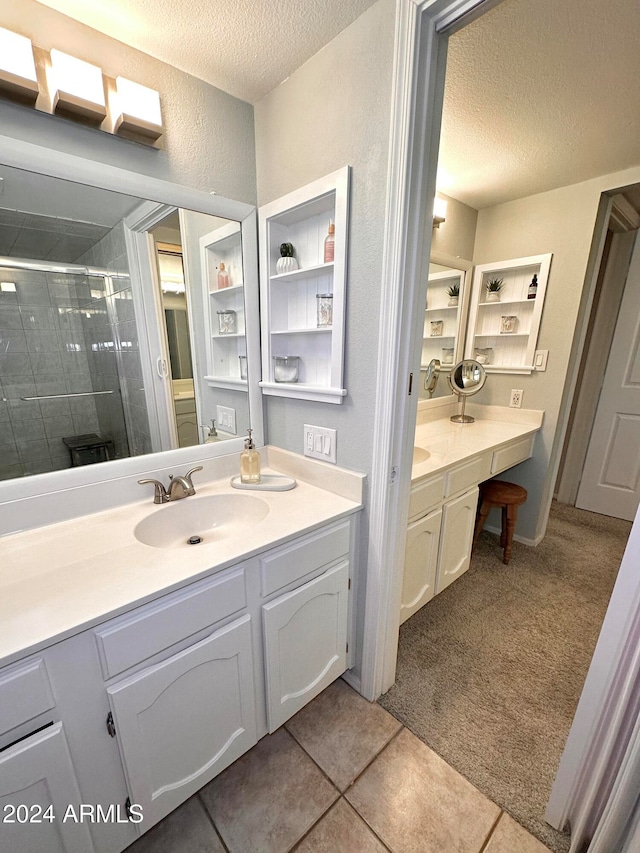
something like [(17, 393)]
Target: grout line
[(212, 822), (377, 755), (313, 826), (324, 773), (491, 831)]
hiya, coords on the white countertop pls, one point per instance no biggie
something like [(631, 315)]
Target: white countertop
[(58, 580), (449, 443)]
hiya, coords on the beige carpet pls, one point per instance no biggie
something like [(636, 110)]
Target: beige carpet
[(491, 670)]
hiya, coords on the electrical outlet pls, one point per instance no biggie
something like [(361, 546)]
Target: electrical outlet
[(226, 419), (516, 398), (320, 443)]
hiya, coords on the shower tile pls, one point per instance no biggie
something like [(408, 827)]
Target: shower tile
[(58, 427), (131, 366), (34, 243), (123, 303), (58, 450), (23, 410), (38, 317), (13, 341), (10, 317), (11, 217), (8, 472), (41, 341), (78, 383), (51, 384), (45, 362), (37, 466), (55, 408), (19, 386), (85, 423), (31, 430), (61, 291), (4, 411), (32, 450), (9, 454), (82, 407), (33, 292), (12, 364), (8, 297)]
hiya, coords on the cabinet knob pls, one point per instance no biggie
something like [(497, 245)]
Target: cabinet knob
[(111, 726)]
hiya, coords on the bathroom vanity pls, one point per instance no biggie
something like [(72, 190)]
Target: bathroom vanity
[(450, 461), (136, 667)]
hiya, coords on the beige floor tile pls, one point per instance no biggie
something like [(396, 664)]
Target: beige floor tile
[(415, 802), (509, 836), (342, 732), (268, 799), (341, 831), (187, 828)]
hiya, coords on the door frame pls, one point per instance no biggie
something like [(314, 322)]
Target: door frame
[(421, 35)]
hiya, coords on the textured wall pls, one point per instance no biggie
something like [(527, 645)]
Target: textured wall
[(456, 236), (335, 111), (562, 222), (209, 142)]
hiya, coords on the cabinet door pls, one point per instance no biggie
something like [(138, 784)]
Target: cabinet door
[(456, 538), (305, 642), (37, 786), (182, 721), (420, 563)]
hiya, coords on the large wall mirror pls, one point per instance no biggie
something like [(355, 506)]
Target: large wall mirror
[(126, 324)]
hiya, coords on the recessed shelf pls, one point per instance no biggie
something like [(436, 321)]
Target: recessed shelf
[(446, 308), (307, 272), (229, 337), (226, 382), (507, 302), (438, 337), (224, 291), (503, 335), (313, 331)]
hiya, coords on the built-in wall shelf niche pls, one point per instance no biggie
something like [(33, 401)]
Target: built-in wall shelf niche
[(224, 307), (302, 310), (503, 334), (443, 317)]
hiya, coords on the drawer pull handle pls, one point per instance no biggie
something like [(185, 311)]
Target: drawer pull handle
[(111, 726)]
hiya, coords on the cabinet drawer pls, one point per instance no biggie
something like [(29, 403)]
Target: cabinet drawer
[(129, 640), (469, 474), (506, 457), (424, 496), (302, 557), (25, 693)]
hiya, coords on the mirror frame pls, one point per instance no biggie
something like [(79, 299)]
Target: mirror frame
[(79, 170)]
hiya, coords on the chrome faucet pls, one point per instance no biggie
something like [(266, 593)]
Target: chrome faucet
[(179, 487)]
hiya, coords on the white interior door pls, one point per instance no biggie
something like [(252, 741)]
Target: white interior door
[(611, 475)]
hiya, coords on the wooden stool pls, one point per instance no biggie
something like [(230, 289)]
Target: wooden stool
[(508, 496)]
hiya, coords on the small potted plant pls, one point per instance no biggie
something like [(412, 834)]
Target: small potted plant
[(493, 288), (454, 293), (286, 262)]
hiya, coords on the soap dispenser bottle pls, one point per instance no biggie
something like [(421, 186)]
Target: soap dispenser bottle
[(212, 433), (249, 462), (223, 277), (329, 243)]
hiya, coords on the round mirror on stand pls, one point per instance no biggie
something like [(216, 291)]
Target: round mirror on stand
[(431, 376), (466, 379)]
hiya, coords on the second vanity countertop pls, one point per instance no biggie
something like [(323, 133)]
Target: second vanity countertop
[(449, 443), (64, 578)]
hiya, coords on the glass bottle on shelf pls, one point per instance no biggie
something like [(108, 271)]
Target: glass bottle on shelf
[(329, 243), (324, 310), (227, 322), (533, 288), (223, 277)]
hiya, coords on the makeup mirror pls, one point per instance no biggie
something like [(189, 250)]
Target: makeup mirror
[(466, 379)]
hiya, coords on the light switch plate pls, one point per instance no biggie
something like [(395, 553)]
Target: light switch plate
[(540, 359), (226, 419), (320, 443)]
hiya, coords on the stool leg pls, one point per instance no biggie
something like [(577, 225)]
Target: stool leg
[(480, 520), (503, 531), (512, 514)]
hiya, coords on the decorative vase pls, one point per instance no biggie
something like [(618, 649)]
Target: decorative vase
[(493, 296), (288, 264), (453, 300)]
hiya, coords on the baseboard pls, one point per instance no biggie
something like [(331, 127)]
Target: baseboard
[(532, 543)]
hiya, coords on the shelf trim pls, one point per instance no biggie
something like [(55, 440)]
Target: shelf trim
[(507, 302), (226, 382), (319, 393), (301, 331), (446, 308), (230, 337), (304, 272), (234, 288)]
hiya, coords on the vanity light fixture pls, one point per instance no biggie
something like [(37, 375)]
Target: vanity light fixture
[(439, 211), (137, 110), (76, 87), (17, 67)]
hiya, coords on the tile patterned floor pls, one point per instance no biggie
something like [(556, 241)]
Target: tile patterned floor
[(342, 776)]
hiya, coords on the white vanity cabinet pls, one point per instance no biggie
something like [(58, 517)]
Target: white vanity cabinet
[(456, 538), (442, 512), (180, 722), (39, 797), (145, 708)]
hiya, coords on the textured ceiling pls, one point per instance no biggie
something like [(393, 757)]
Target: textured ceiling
[(245, 47), (539, 93)]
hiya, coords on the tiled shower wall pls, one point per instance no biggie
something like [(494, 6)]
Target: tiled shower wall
[(111, 337), (42, 351)]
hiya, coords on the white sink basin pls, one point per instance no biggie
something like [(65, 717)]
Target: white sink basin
[(209, 518), (420, 455)]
